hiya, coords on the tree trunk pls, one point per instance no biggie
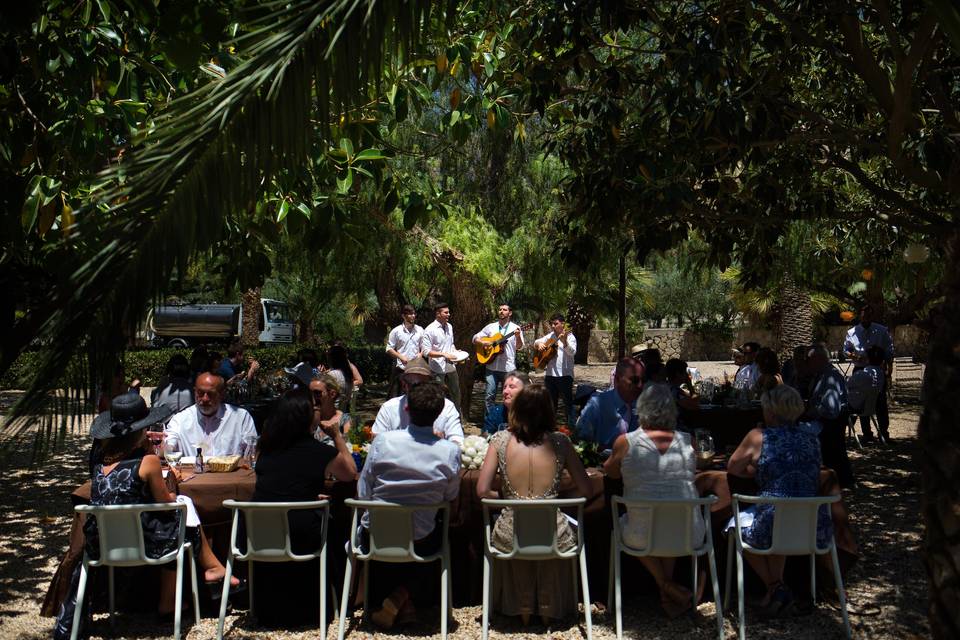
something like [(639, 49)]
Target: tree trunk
[(794, 318), (622, 310), (470, 305), (939, 457), (581, 322), (252, 313)]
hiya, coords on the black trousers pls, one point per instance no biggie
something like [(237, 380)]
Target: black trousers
[(833, 448)]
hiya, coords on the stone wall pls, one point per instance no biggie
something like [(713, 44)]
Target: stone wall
[(692, 345)]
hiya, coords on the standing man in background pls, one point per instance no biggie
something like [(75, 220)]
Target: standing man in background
[(403, 343), (859, 340), (505, 361), (437, 346), (559, 372)]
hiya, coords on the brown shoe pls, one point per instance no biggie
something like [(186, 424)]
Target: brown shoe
[(387, 614)]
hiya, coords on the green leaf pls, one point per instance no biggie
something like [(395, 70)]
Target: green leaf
[(87, 10), (104, 9), (343, 186), (370, 154), (347, 146), (305, 210), (283, 210), (454, 117)]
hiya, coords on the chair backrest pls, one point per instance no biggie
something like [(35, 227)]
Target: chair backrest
[(794, 523), (534, 527), (120, 532), (671, 531), (869, 402), (391, 529), (267, 529)]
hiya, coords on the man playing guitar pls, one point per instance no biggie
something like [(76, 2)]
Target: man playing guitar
[(559, 366), (504, 362)]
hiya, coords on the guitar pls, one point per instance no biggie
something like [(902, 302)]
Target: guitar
[(541, 358), (488, 348)]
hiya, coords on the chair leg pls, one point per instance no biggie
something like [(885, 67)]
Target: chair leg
[(813, 579), (730, 551), (851, 430), (841, 592), (613, 550), (193, 584), (693, 581), (225, 596), (250, 585), (586, 592), (112, 596), (366, 590), (617, 591), (485, 616), (81, 593), (344, 598), (178, 599), (323, 592), (449, 587), (715, 582), (444, 596), (740, 603)]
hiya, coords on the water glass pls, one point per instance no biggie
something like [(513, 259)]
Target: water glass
[(705, 450), (248, 450)]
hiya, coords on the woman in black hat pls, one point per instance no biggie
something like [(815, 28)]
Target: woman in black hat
[(128, 474)]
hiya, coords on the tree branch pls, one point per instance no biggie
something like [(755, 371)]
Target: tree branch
[(904, 83)]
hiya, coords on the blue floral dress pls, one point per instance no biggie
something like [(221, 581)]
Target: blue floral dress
[(789, 467), (124, 486)]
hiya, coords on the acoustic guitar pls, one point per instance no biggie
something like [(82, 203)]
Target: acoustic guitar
[(488, 348), (542, 358)]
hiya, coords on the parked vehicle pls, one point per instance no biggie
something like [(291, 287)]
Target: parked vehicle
[(190, 324)]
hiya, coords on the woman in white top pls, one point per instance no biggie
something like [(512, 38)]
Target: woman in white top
[(656, 461)]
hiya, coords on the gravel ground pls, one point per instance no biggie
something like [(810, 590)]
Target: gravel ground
[(886, 590)]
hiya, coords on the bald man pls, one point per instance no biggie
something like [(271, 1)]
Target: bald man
[(211, 424)]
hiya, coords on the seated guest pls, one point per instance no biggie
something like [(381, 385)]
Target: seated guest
[(863, 381), (199, 362), (231, 367), (211, 424), (656, 461), (828, 406), (652, 363), (410, 466), (794, 372), (746, 375), (174, 391), (681, 385), (768, 371), (214, 360), (340, 366), (609, 413), (393, 413), (326, 391), (293, 467), (127, 474), (784, 458), (496, 418), (530, 458)]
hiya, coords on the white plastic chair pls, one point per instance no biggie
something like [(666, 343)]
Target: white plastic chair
[(392, 540), (794, 534), (121, 545), (867, 412), (534, 538), (670, 536), (268, 540)]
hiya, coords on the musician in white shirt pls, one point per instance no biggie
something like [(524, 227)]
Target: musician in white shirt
[(403, 343), (438, 347), (559, 372), (504, 362), (860, 339)]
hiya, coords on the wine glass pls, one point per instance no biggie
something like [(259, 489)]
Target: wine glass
[(156, 440), (705, 448), (171, 451)]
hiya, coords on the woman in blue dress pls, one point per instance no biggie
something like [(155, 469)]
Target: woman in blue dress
[(784, 458)]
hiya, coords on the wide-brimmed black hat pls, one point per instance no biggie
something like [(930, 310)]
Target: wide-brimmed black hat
[(128, 413)]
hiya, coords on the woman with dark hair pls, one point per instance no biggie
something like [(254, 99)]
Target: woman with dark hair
[(530, 458), (768, 371), (293, 467), (175, 390), (340, 366), (677, 376)]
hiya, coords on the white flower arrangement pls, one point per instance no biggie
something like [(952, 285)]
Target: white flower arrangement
[(472, 451)]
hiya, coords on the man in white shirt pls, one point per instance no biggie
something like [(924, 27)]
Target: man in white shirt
[(211, 425), (403, 343), (858, 342), (504, 362), (746, 376), (410, 466), (437, 345), (559, 372), (394, 414)]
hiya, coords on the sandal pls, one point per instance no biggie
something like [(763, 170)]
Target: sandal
[(215, 588), (675, 599), (386, 616)]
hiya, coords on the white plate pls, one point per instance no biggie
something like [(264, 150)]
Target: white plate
[(461, 355)]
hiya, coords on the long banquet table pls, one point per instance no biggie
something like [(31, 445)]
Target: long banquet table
[(209, 490)]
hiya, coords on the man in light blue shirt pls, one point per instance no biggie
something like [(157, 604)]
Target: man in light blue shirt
[(860, 339), (610, 413)]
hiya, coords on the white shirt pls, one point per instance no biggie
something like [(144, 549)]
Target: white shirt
[(218, 435), (411, 466), (405, 342), (746, 376), (393, 415), (438, 338), (860, 383), (860, 338), (506, 360), (562, 364)]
